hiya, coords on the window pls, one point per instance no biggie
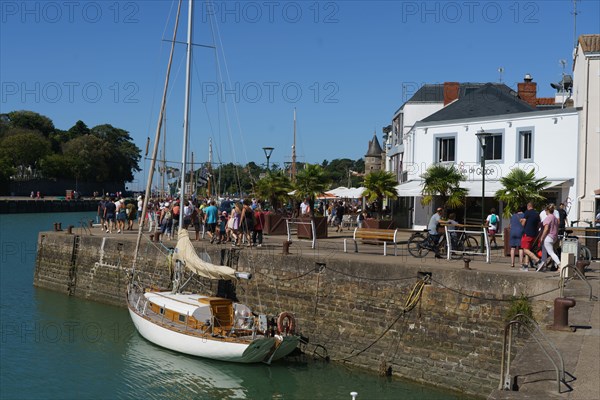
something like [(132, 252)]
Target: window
[(445, 149), (493, 147), (525, 145), (181, 318)]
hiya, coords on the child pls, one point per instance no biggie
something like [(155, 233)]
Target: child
[(492, 224), (222, 228)]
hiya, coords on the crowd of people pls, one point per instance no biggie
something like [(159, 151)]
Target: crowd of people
[(228, 222), (534, 235)]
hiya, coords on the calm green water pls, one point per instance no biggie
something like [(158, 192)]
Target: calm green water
[(57, 347)]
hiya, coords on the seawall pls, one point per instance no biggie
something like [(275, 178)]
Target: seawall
[(10, 205), (350, 304)]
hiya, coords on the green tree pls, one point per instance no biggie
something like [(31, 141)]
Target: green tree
[(521, 187), (24, 150), (311, 181), (443, 181), (274, 187), (88, 158), (32, 121), (380, 184), (124, 155)]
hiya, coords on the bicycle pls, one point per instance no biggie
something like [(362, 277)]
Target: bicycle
[(420, 245), (463, 242)]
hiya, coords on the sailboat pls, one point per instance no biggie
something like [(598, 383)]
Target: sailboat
[(204, 326)]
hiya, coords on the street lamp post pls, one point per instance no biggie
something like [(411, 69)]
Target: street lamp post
[(481, 136), (268, 151)]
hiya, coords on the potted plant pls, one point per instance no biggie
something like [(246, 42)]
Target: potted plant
[(274, 187), (311, 182), (379, 185)]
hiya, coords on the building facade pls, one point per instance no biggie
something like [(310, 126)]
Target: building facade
[(586, 96)]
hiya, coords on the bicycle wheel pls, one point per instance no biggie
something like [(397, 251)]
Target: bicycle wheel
[(470, 243), (443, 248), (584, 254), (415, 246)]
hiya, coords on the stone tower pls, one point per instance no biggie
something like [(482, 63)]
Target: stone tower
[(373, 156)]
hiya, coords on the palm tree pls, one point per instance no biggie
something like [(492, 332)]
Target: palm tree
[(443, 181), (380, 184), (275, 187), (311, 182), (521, 187)]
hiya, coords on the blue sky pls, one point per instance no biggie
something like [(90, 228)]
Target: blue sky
[(341, 64)]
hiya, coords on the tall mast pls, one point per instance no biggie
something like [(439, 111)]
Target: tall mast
[(156, 141), (164, 157), (209, 177), (186, 114), (192, 186), (294, 150)]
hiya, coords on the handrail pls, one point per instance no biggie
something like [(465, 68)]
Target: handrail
[(296, 221), (505, 383), (562, 280), (485, 239)]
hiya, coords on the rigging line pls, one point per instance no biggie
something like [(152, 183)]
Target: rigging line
[(150, 112), (226, 108), (222, 49)]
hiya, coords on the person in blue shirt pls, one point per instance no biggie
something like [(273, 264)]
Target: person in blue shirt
[(211, 213), (516, 233)]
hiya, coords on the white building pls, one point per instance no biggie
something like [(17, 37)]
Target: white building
[(522, 136), (586, 96)]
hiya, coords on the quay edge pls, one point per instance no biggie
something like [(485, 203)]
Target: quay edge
[(343, 302)]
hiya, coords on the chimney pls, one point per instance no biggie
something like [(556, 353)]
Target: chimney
[(527, 90), (450, 92)]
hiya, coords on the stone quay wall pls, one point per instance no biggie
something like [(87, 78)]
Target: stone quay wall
[(350, 308), (25, 205)]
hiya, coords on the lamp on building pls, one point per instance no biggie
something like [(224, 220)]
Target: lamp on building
[(482, 136), (268, 151)]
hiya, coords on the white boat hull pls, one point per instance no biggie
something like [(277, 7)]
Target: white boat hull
[(202, 346)]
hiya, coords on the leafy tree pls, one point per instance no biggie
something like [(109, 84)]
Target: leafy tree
[(89, 158), (380, 184), (274, 187), (311, 182), (124, 155), (33, 121), (521, 187), (443, 181), (25, 149)]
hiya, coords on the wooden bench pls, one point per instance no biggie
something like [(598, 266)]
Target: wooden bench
[(384, 236)]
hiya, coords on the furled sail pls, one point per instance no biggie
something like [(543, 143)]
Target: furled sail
[(185, 252)]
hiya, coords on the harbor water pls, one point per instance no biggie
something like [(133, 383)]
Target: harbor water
[(58, 347)]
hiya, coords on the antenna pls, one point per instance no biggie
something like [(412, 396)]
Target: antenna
[(500, 72)]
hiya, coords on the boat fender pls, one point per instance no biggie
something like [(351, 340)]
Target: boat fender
[(290, 326)]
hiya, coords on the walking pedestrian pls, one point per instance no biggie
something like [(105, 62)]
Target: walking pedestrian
[(531, 224), (516, 233)]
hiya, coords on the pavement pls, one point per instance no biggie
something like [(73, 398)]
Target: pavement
[(531, 371)]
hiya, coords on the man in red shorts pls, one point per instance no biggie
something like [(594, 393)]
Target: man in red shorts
[(531, 225)]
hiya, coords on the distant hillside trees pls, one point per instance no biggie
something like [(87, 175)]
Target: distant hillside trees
[(32, 148)]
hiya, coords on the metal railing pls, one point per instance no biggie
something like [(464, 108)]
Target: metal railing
[(292, 228), (562, 282), (527, 323), (478, 230)]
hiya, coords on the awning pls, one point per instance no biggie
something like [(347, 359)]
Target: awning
[(410, 188), (474, 187)]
